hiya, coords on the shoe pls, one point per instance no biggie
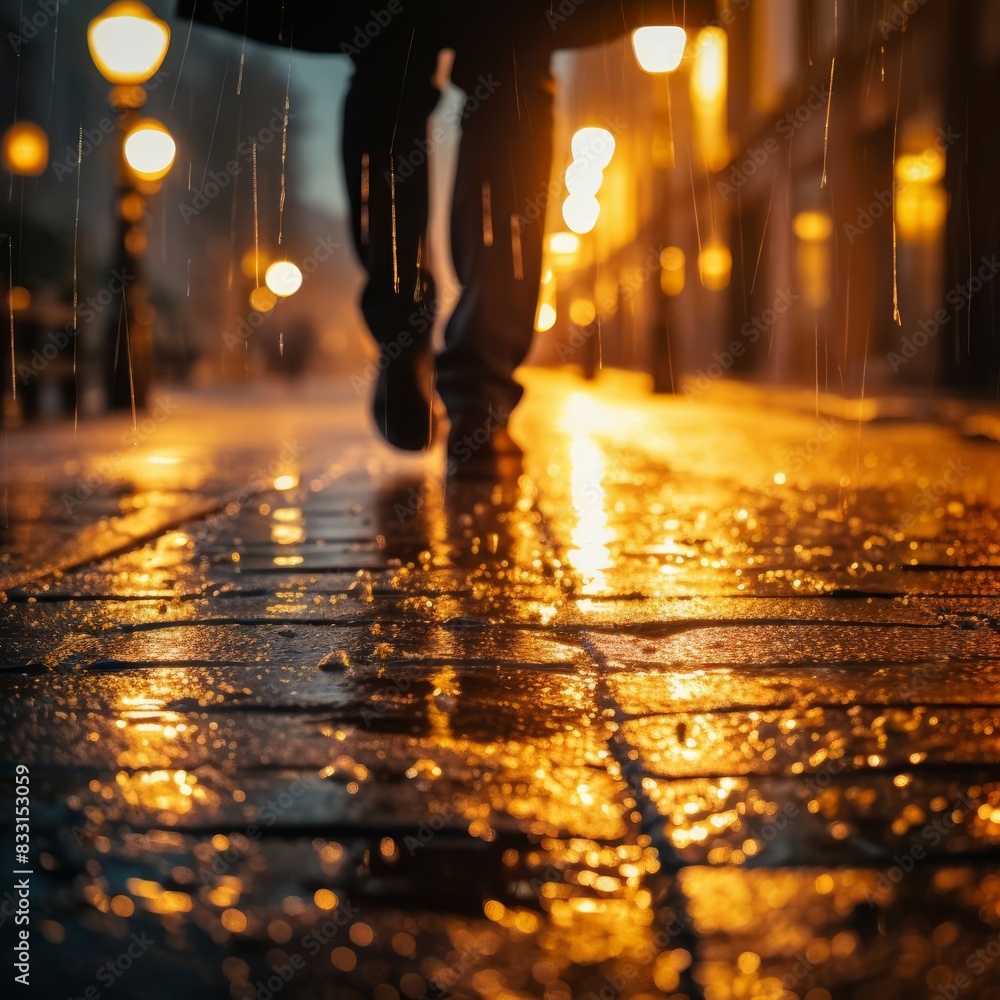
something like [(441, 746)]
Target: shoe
[(479, 447), (403, 403)]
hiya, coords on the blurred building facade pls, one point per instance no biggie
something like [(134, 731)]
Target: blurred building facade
[(806, 200)]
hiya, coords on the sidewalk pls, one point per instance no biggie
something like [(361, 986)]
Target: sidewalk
[(706, 705)]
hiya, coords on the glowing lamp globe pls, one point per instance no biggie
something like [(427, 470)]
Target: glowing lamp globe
[(582, 312), (658, 48), (128, 43), (563, 244), (149, 150), (920, 168), (25, 149), (580, 213), (715, 266), (812, 227), (584, 177), (283, 278), (263, 300), (672, 266), (593, 145)]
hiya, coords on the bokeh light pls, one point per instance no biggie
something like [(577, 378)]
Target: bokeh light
[(283, 278)]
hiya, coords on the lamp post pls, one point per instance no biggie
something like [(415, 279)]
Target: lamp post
[(128, 43), (659, 50)]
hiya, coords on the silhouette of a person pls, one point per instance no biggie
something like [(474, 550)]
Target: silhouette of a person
[(504, 163)]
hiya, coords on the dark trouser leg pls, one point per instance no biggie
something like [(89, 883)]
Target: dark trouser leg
[(385, 101), (503, 167), (385, 162)]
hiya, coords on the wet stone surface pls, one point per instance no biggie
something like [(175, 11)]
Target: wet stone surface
[(692, 709)]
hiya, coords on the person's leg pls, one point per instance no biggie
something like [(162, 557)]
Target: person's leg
[(504, 166), (385, 164)]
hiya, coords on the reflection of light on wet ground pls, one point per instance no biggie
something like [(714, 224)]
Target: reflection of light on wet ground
[(146, 715), (166, 794), (154, 898), (807, 914), (720, 702), (288, 534), (441, 701), (287, 527), (591, 536)]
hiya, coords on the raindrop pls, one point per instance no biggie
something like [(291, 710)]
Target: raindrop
[(180, 71), (829, 97), (364, 198), (515, 246), (395, 259), (895, 130), (392, 169), (215, 125), (256, 228), (76, 284), (284, 149), (10, 310), (487, 215)]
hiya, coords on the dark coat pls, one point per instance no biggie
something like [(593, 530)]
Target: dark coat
[(313, 25), (344, 25)]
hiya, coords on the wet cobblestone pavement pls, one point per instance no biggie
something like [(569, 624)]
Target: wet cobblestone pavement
[(704, 705)]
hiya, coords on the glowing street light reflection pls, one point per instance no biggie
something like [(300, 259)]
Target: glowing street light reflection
[(582, 312), (563, 244), (283, 278), (920, 168), (590, 555), (921, 202), (149, 150), (593, 145), (546, 316), (18, 299), (262, 299), (584, 177), (580, 213), (715, 266), (708, 79), (672, 264), (812, 226), (813, 258)]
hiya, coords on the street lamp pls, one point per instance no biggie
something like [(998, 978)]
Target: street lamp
[(128, 43), (149, 150), (659, 48)]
